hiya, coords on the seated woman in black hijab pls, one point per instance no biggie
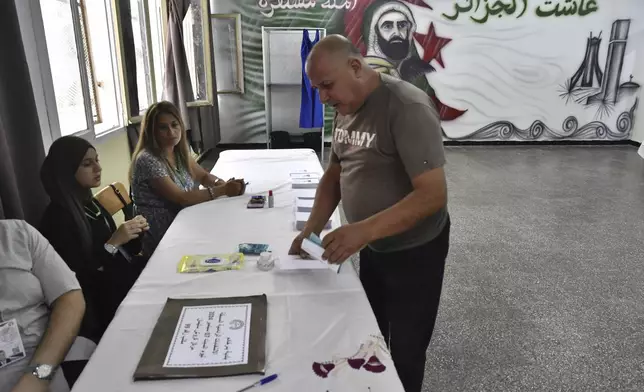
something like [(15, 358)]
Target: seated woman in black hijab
[(83, 232)]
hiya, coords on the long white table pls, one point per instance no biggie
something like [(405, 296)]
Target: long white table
[(313, 316)]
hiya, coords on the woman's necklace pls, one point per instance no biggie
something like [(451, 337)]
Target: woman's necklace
[(94, 212), (177, 173)]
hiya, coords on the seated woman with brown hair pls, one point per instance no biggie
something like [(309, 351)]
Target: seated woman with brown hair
[(103, 256), (164, 176)]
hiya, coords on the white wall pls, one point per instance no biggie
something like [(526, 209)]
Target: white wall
[(513, 72), (638, 43), (638, 127)]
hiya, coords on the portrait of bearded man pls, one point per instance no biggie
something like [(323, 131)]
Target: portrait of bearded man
[(388, 29)]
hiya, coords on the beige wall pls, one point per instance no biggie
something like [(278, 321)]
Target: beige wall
[(114, 155)]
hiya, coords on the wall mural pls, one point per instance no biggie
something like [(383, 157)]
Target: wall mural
[(526, 70)]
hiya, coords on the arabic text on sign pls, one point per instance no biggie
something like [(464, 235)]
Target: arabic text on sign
[(268, 7)]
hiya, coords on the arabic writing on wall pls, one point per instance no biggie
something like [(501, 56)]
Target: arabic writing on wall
[(268, 7), (480, 11)]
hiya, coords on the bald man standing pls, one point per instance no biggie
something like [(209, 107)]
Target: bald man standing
[(387, 168)]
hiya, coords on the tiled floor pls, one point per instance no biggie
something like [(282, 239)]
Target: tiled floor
[(544, 287)]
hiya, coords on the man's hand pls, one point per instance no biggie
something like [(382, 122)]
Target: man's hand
[(296, 246), (29, 383), (345, 241)]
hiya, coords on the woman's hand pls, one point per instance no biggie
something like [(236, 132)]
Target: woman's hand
[(129, 230), (243, 184), (213, 180), (234, 187)]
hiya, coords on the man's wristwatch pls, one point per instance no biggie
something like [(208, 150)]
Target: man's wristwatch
[(42, 371), (111, 249)]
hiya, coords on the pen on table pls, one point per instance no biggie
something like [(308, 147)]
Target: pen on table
[(261, 382)]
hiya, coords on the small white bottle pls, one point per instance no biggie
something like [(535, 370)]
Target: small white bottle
[(266, 261), (270, 199)]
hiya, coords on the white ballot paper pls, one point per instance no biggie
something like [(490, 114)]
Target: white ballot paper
[(295, 262), (212, 335)]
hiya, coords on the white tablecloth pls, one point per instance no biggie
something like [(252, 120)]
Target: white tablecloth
[(313, 316)]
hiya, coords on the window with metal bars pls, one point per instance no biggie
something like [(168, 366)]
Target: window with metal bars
[(89, 63), (81, 49)]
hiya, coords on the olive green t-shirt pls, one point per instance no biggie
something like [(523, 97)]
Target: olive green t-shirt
[(394, 137)]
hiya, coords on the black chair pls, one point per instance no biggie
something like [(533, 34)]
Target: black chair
[(313, 140), (280, 140)]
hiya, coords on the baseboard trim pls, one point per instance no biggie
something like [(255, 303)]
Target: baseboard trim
[(539, 143), (254, 146), (240, 146)]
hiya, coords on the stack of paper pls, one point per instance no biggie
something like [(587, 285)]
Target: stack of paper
[(305, 183), (304, 175), (304, 204), (302, 217), (305, 193), (305, 180)]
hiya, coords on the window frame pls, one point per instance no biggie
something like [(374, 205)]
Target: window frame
[(77, 20), (54, 130), (125, 93), (205, 22)]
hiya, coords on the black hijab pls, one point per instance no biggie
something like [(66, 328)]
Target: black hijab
[(58, 176)]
